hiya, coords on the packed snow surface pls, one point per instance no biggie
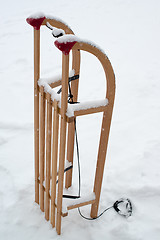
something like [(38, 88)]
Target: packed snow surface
[(128, 33)]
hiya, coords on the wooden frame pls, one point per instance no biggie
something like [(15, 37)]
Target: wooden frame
[(107, 114), (36, 109), (39, 118), (106, 122), (46, 139)]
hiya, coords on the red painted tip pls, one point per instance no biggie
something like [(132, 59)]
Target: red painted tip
[(64, 47), (35, 22)]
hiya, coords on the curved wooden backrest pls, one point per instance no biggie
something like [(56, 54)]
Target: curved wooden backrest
[(107, 113), (58, 24), (109, 73), (71, 42)]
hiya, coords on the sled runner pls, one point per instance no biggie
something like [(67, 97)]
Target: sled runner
[(51, 107)]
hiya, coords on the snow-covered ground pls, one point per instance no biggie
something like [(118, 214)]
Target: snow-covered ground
[(128, 31)]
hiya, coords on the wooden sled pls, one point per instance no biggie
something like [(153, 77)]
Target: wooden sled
[(49, 107)]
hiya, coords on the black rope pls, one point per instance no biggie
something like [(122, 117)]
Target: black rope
[(126, 212), (48, 26), (87, 218), (75, 77), (65, 170), (70, 196), (51, 28), (68, 168), (70, 96), (79, 174)]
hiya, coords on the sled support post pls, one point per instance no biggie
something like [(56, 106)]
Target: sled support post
[(100, 162), (54, 124), (71, 127), (65, 74), (36, 109), (48, 155), (54, 160), (42, 146)]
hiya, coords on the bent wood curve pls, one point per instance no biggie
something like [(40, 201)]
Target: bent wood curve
[(58, 24), (109, 73)]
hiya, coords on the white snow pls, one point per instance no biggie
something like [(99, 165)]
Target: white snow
[(46, 81), (67, 164), (85, 105), (68, 38), (37, 15), (73, 38), (48, 16), (57, 32), (55, 78), (128, 32)]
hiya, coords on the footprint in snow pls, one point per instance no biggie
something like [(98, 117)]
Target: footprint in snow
[(7, 190)]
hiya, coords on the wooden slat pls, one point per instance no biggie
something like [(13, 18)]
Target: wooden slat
[(54, 161), (71, 127), (85, 112), (90, 111), (101, 159), (65, 73), (63, 214), (55, 84), (80, 204), (48, 155), (70, 151), (36, 109), (42, 146)]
